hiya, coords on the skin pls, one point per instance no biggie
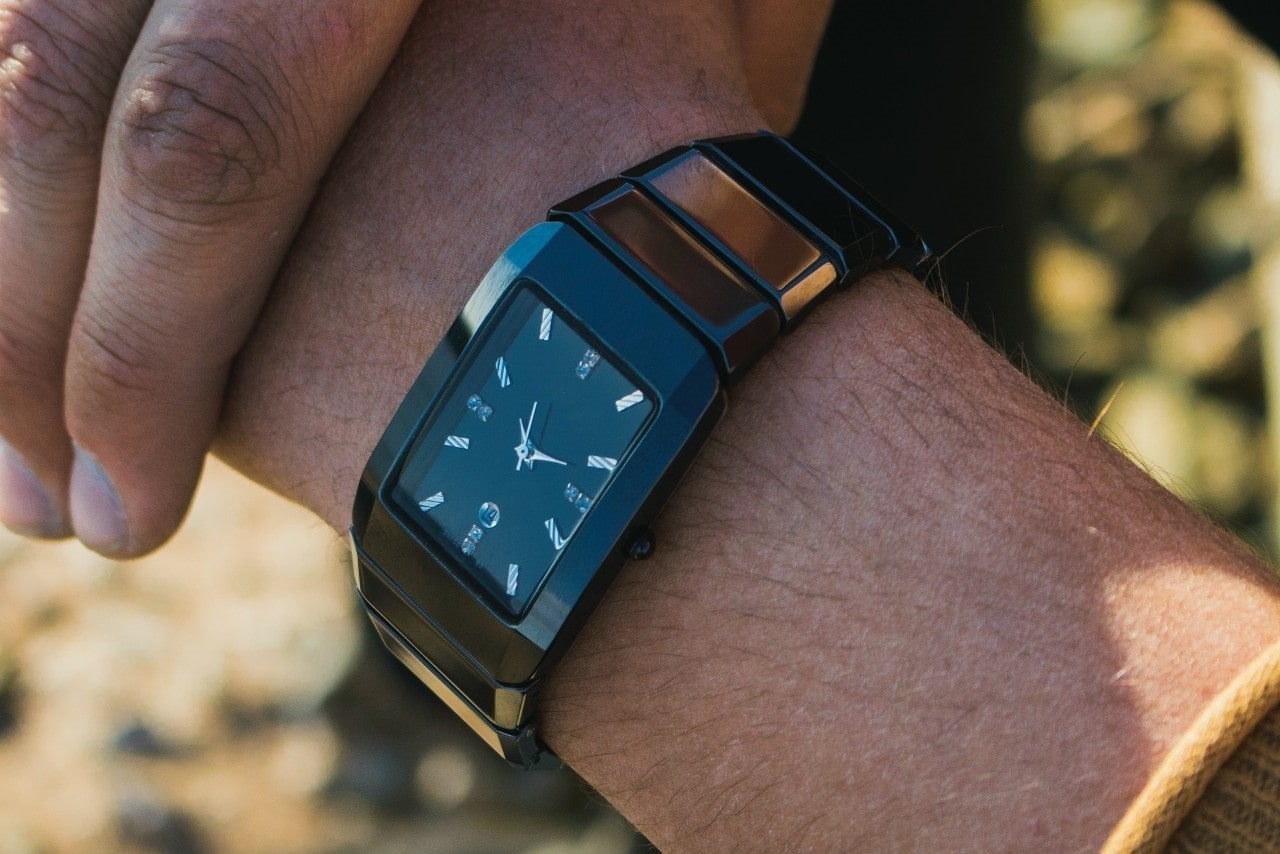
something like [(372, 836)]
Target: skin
[(779, 42), (902, 601), (155, 161)]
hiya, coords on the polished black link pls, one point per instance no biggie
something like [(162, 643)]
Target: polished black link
[(789, 270), (752, 209), (735, 322), (519, 747), (827, 204)]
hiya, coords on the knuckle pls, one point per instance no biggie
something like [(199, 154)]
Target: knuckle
[(57, 78), (201, 129)]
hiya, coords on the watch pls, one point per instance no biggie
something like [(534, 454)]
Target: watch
[(533, 453)]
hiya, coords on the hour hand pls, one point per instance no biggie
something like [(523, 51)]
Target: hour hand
[(522, 449)]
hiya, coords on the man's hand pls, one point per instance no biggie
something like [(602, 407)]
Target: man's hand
[(155, 161)]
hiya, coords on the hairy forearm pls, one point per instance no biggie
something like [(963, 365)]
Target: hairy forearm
[(904, 599), (902, 596)]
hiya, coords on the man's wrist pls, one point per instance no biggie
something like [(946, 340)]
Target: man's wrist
[(902, 589)]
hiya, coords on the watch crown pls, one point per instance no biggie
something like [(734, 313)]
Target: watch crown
[(642, 545)]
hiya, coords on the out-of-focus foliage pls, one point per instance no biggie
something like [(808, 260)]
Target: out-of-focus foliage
[(1144, 275)]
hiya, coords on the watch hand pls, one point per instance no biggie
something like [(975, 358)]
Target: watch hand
[(525, 431), (522, 449), (538, 455)]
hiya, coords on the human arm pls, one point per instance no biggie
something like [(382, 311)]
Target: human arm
[(903, 599)]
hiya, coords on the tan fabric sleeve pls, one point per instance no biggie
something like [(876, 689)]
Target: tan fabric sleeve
[(1219, 788)]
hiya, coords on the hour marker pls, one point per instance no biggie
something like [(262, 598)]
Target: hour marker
[(579, 499), (429, 504), (606, 463), (544, 331), (513, 578), (587, 364), (504, 378), (476, 404), (556, 540), (472, 540), (629, 400), (457, 442)]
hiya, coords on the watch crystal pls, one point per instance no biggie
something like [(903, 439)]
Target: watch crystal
[(543, 419)]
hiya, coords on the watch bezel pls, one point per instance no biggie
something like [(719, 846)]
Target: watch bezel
[(609, 302)]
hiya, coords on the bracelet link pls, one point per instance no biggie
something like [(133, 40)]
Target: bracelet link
[(789, 269)]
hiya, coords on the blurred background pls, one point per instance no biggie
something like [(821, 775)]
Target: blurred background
[(1102, 179)]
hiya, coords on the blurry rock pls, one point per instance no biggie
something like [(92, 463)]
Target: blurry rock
[(146, 822), (608, 834), (137, 739), (16, 838), (446, 778), (303, 759), (379, 774)]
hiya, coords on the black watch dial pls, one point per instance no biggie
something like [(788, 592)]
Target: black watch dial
[(536, 425)]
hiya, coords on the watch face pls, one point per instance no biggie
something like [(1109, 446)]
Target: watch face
[(538, 421)]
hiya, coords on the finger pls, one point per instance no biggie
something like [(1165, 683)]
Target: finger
[(59, 62), (225, 119)]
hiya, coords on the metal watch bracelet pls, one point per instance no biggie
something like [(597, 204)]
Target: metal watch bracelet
[(742, 235)]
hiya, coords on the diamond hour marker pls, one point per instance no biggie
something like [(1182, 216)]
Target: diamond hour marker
[(575, 496), (476, 404), (587, 364)]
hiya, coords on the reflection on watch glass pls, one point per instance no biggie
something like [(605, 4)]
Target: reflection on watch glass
[(529, 438)]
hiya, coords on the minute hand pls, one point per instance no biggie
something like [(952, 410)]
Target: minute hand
[(537, 455)]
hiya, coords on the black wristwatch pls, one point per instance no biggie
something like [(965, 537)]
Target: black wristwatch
[(534, 451)]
